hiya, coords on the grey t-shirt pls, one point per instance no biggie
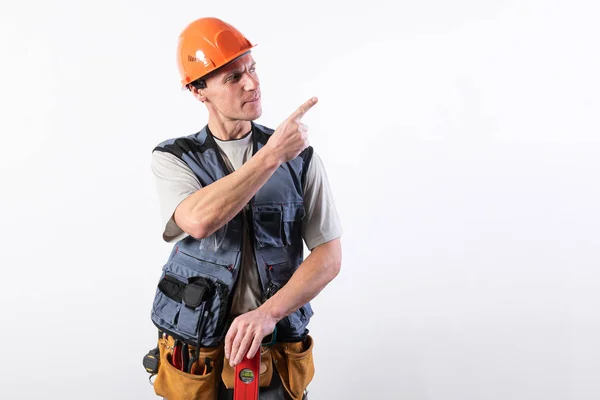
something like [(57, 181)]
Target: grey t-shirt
[(175, 181)]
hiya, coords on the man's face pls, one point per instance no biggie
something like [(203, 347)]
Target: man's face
[(233, 91)]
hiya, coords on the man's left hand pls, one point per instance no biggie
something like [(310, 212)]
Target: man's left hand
[(246, 334)]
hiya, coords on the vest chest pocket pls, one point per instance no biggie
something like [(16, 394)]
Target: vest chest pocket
[(180, 302), (277, 225), (268, 224), (188, 302), (293, 214), (165, 307)]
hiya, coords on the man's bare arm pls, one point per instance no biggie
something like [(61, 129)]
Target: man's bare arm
[(318, 269), (248, 330), (211, 207)]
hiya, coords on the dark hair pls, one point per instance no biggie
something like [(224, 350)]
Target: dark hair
[(198, 84)]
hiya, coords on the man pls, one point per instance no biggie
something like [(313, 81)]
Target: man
[(244, 197)]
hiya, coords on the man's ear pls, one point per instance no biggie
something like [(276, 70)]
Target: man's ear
[(198, 93)]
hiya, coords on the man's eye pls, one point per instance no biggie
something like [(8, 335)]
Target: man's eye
[(252, 69)]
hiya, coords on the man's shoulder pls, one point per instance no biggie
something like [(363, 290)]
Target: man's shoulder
[(182, 144)]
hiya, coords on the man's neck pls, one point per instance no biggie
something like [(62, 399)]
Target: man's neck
[(228, 130)]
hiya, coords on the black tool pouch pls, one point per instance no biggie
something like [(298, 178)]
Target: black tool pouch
[(183, 306), (195, 293)]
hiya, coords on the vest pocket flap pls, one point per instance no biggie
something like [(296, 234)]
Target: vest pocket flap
[(268, 225), (274, 224), (293, 212)]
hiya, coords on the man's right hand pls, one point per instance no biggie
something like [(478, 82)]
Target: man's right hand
[(291, 137)]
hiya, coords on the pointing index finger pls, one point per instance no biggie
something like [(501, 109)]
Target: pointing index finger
[(299, 113)]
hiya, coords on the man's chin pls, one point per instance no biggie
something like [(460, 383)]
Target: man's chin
[(255, 115), (248, 113)]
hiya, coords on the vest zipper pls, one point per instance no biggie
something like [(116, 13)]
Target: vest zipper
[(250, 222), (249, 216)]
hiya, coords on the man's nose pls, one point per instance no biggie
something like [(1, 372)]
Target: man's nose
[(250, 82)]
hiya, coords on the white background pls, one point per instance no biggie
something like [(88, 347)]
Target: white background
[(461, 140)]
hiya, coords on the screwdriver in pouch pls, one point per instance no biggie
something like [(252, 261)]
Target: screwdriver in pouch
[(185, 357), (176, 361)]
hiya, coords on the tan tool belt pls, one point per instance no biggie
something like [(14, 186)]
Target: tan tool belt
[(293, 361)]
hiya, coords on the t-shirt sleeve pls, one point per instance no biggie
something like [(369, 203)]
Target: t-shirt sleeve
[(321, 223), (175, 181)]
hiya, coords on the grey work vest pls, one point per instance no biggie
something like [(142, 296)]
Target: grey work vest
[(275, 216)]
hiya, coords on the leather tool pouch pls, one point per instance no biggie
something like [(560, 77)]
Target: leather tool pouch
[(295, 365), (265, 373), (201, 383)]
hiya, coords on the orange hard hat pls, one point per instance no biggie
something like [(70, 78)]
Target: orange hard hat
[(207, 44)]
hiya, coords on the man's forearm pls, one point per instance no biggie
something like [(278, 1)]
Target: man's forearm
[(205, 211), (320, 267)]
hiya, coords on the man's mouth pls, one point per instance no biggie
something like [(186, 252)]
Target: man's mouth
[(253, 100)]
